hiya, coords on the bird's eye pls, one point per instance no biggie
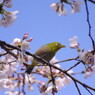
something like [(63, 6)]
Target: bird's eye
[(58, 44)]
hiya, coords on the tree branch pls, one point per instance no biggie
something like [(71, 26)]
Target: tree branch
[(89, 25), (77, 88), (92, 1), (47, 63), (70, 59), (74, 65)]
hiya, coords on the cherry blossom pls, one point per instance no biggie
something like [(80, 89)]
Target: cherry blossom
[(88, 74), (16, 41), (59, 83), (74, 43), (59, 8), (8, 3), (25, 45), (13, 60), (76, 6), (54, 6), (2, 74), (8, 19), (87, 57)]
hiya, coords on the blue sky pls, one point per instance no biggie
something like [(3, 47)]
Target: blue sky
[(44, 26)]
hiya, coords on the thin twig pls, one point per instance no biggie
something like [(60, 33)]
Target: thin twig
[(88, 90), (92, 1), (74, 65), (88, 21), (3, 54), (8, 51), (45, 62), (77, 88), (70, 59), (82, 72), (53, 81)]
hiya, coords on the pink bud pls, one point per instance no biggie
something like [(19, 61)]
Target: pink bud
[(90, 68), (30, 39), (22, 69), (43, 89), (25, 36)]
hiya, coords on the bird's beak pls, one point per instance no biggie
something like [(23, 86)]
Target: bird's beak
[(63, 46)]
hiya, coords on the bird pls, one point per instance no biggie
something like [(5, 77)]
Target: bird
[(46, 52)]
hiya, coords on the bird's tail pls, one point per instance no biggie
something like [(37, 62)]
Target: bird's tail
[(29, 69)]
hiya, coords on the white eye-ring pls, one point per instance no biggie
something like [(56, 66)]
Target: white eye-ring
[(58, 44)]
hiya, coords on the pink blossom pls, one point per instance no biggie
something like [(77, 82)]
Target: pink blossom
[(59, 8), (88, 74), (11, 68), (8, 19), (48, 91), (87, 57), (67, 80), (54, 6), (8, 3), (25, 45), (74, 43), (2, 74), (76, 6), (59, 83), (25, 36), (16, 41)]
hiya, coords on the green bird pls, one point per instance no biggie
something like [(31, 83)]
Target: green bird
[(46, 52)]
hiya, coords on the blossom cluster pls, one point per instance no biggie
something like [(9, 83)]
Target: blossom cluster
[(60, 79), (7, 18), (59, 7), (87, 57), (13, 76)]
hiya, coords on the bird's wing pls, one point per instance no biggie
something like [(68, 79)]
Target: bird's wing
[(41, 52), (44, 53)]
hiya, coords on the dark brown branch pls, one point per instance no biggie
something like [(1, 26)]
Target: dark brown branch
[(74, 65), (83, 84), (70, 59), (45, 62), (82, 72), (77, 88), (53, 81), (8, 45), (92, 1), (88, 91), (3, 54), (8, 51), (88, 21)]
